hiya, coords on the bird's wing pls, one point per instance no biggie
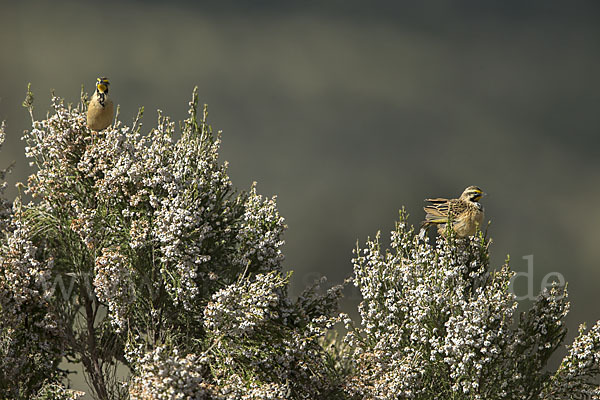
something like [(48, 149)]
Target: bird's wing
[(440, 210), (437, 200), (436, 213), (443, 210)]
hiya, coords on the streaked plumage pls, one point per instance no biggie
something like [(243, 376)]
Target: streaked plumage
[(101, 108), (465, 213)]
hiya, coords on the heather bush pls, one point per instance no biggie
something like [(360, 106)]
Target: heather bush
[(436, 322), (135, 250)]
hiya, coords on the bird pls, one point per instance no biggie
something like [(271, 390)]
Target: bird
[(101, 108), (465, 213)]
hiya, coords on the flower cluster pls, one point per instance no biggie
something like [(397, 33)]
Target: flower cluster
[(54, 145), (164, 375), (579, 370), (56, 391), (256, 349), (263, 345), (260, 233), (239, 309), (30, 342), (114, 285)]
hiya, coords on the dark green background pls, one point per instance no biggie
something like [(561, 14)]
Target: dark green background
[(348, 110)]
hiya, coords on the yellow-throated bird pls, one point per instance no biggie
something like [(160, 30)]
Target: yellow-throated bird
[(101, 108), (465, 213)]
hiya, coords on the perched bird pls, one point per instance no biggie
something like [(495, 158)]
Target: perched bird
[(101, 108), (465, 213)]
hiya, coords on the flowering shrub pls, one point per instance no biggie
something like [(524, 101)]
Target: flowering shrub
[(135, 250), (438, 323)]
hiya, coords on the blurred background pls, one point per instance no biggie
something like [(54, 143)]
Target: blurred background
[(349, 110)]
